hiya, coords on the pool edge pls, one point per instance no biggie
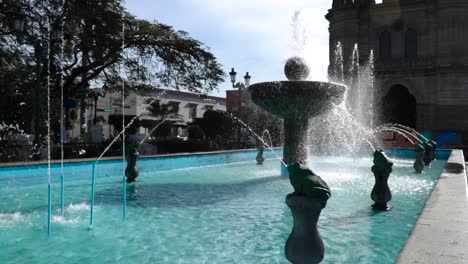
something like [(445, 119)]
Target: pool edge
[(440, 234)]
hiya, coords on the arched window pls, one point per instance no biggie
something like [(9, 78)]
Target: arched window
[(411, 44), (385, 47)]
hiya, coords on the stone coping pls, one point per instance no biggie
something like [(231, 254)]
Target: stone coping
[(440, 234), (44, 162)]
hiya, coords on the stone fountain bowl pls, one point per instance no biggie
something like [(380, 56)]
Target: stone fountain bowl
[(300, 98)]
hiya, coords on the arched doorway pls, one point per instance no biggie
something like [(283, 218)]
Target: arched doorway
[(399, 106)]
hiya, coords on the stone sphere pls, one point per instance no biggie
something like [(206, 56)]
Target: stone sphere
[(296, 69)]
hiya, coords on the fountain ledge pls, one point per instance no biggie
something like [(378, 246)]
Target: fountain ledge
[(440, 234)]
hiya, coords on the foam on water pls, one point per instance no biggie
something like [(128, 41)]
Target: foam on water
[(10, 219), (65, 221), (77, 207)]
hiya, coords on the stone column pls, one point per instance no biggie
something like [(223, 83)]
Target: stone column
[(295, 139)]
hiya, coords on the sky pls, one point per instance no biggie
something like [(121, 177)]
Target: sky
[(255, 36)]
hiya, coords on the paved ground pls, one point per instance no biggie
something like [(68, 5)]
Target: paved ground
[(440, 235)]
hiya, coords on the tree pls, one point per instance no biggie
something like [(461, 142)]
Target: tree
[(218, 128), (162, 111), (258, 120), (101, 44)]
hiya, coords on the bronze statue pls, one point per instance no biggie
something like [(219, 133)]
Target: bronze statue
[(306, 183), (381, 193), (260, 157), (131, 172), (419, 162), (429, 153)]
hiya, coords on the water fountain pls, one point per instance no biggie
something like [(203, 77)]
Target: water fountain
[(297, 100)]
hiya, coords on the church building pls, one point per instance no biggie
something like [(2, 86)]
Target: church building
[(421, 58)]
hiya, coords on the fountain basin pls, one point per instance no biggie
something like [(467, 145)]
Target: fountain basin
[(303, 98), (227, 210), (296, 102)]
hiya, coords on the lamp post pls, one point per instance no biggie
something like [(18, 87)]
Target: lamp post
[(241, 87)]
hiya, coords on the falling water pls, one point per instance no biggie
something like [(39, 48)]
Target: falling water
[(338, 65), (93, 177), (299, 33), (355, 84), (338, 131), (267, 133), (371, 81), (62, 112), (413, 131), (150, 133), (124, 188), (383, 129), (408, 130), (49, 174), (410, 133)]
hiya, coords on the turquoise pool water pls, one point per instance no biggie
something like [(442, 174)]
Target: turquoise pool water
[(233, 213)]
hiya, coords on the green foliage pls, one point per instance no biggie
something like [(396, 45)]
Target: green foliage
[(95, 52), (163, 111), (218, 128)]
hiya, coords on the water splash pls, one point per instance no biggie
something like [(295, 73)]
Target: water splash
[(49, 173), (124, 189), (371, 81), (396, 131), (338, 65), (128, 125), (299, 33), (62, 111), (267, 133), (239, 121)]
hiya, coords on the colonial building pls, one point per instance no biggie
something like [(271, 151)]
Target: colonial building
[(421, 58), (104, 116)]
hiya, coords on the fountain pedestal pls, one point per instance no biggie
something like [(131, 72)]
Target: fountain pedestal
[(296, 101), (295, 139), (304, 244)]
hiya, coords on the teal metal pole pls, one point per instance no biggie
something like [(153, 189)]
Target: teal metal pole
[(91, 219), (62, 195), (49, 209), (124, 197)]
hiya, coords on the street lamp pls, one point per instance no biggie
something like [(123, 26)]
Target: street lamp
[(247, 79), (241, 96), (246, 83), (232, 74)]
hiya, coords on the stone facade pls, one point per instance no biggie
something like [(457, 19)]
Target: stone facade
[(420, 46)]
